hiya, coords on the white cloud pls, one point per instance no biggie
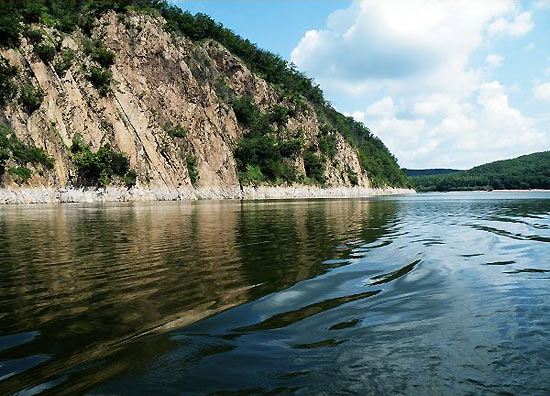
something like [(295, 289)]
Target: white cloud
[(437, 104), (448, 113), (402, 136), (541, 92), (505, 128), (464, 137), (395, 43), (384, 108), (494, 60), (541, 5), (520, 25)]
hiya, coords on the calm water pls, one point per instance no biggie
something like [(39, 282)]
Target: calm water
[(437, 294)]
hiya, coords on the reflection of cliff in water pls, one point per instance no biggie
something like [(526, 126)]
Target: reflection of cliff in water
[(281, 243), (91, 279)]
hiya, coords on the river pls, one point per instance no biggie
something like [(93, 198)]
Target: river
[(415, 294)]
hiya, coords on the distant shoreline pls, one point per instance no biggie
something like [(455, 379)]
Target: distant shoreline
[(487, 191), (533, 190), (43, 195)]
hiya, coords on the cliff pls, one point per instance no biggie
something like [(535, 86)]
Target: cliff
[(124, 103)]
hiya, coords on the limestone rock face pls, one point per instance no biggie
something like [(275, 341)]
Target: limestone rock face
[(157, 79)]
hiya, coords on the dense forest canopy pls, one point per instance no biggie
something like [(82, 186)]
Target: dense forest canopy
[(526, 172), (429, 172), (69, 15)]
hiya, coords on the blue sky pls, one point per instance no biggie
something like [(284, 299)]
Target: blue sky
[(444, 83)]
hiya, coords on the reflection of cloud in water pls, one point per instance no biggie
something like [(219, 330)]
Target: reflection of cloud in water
[(284, 298)]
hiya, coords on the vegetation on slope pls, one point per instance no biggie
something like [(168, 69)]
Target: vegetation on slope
[(23, 155), (69, 15), (103, 167), (429, 172), (263, 155), (525, 172), (376, 159)]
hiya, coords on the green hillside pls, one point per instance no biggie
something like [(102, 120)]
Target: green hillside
[(18, 17), (526, 172), (429, 172)]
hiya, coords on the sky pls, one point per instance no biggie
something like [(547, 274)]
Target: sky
[(444, 84)]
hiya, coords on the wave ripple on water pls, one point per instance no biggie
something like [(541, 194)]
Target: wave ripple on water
[(424, 294)]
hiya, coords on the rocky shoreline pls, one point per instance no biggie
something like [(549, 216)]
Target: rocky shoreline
[(42, 195)]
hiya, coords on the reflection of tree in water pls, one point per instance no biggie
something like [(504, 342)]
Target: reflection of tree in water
[(93, 277), (90, 279), (283, 243)]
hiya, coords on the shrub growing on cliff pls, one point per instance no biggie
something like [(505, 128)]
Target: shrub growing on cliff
[(10, 26), (130, 178), (279, 115), (176, 131), (191, 162), (260, 153), (292, 147), (103, 56), (32, 11), (314, 166), (246, 111), (20, 174), (34, 35), (45, 52), (100, 78), (327, 145), (12, 148), (100, 168), (4, 156), (8, 89), (31, 97), (65, 61), (352, 176)]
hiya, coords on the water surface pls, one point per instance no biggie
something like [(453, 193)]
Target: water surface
[(432, 293)]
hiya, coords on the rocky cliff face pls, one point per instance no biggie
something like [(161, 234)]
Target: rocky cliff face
[(159, 81)]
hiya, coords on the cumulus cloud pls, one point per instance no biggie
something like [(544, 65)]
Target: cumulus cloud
[(448, 111), (375, 44), (541, 92), (469, 135), (520, 25), (494, 60)]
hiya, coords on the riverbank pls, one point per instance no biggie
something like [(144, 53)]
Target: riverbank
[(120, 194)]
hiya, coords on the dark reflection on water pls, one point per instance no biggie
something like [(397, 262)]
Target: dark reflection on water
[(413, 295)]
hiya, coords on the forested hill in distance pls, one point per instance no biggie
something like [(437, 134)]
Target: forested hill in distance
[(429, 172), (143, 94), (522, 173)]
